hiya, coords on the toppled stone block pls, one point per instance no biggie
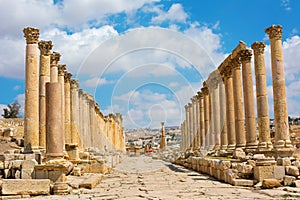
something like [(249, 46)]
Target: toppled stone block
[(292, 170), (263, 172), (30, 187), (239, 153), (284, 161), (270, 183), (288, 180)]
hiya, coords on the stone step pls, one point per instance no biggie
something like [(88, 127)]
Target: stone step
[(87, 181)]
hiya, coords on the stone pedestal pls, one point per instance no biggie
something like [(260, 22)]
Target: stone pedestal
[(262, 97), (282, 137), (31, 113)]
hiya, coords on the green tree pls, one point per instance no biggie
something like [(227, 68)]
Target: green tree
[(12, 110)]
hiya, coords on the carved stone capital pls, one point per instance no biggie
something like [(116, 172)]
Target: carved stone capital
[(258, 47), (236, 63), (67, 77), (74, 84), (245, 55), (227, 72), (31, 35), (61, 69), (194, 99), (274, 31), (54, 58), (205, 90), (186, 107), (45, 47), (200, 95)]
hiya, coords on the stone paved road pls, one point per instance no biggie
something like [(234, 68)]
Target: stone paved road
[(143, 178)]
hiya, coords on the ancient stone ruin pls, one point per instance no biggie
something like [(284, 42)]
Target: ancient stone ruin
[(222, 136)]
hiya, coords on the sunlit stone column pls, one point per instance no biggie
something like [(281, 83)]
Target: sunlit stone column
[(61, 80), (262, 97), (230, 118), (45, 48), (54, 122), (223, 121), (206, 97), (163, 143), (68, 108), (190, 126), (194, 114), (251, 141), (74, 111), (282, 137), (31, 113), (201, 119), (238, 104), (187, 117)]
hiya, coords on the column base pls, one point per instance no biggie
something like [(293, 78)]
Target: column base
[(241, 146), (224, 147), (251, 147), (217, 147), (32, 150), (264, 146), (230, 147), (283, 144)]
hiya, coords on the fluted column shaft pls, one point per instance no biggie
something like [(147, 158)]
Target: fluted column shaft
[(282, 136), (251, 141), (31, 112), (238, 105), (45, 48), (262, 97)]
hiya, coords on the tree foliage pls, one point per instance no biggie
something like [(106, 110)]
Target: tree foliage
[(12, 110)]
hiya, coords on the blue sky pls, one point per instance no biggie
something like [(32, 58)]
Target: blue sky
[(146, 58)]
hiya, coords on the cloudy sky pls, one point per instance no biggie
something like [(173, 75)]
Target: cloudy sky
[(145, 58)]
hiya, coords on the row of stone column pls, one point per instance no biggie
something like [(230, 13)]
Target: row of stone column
[(57, 112), (222, 114)]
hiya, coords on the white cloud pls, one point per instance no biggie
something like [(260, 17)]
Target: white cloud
[(2, 106), (173, 84), (175, 13), (286, 4), (21, 99), (95, 81)]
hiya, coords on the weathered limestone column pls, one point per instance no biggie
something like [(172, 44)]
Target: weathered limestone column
[(54, 137), (208, 139), (262, 97), (187, 119), (67, 108), (282, 137), (191, 134), (223, 121), (201, 119), (163, 143), (195, 120), (238, 104), (74, 111), (251, 141), (61, 80), (31, 114), (230, 118), (45, 48)]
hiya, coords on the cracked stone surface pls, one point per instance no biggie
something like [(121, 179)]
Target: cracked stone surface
[(143, 178)]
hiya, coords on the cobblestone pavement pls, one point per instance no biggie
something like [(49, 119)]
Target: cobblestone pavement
[(143, 178)]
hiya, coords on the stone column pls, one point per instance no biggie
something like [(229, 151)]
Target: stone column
[(74, 111), (238, 104), (61, 80), (45, 48), (191, 134), (187, 119), (54, 137), (31, 112), (262, 97), (163, 143), (67, 108), (208, 138), (282, 136), (230, 118), (195, 120), (223, 121), (201, 119), (251, 141)]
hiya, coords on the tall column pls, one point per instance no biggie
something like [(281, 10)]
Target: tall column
[(61, 80), (163, 143), (262, 97), (31, 112), (195, 134), (54, 137), (67, 108), (201, 119), (187, 117), (251, 141), (74, 111), (205, 92), (45, 48), (238, 104), (282, 137), (223, 121), (230, 116)]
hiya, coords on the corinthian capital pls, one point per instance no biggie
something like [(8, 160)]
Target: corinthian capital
[(258, 47), (274, 31), (61, 69), (74, 84), (67, 77), (45, 47), (55, 57), (31, 35), (245, 55)]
